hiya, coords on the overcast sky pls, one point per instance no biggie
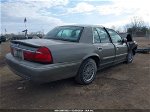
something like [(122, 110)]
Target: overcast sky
[(45, 14)]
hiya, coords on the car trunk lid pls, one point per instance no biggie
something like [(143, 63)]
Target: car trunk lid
[(36, 50), (36, 42)]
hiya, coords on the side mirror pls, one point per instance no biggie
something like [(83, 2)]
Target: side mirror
[(124, 40)]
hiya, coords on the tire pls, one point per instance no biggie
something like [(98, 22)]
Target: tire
[(87, 72), (130, 57)]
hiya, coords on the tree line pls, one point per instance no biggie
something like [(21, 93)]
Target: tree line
[(138, 27)]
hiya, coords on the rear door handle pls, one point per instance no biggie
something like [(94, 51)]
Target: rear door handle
[(99, 48)]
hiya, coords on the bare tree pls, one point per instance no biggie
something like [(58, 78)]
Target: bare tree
[(137, 23), (137, 27)]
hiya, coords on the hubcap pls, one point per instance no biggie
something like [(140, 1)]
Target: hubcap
[(88, 72)]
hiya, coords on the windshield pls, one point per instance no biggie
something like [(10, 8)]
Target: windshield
[(68, 33)]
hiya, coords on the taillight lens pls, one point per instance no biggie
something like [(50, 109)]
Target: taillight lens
[(28, 55), (41, 55)]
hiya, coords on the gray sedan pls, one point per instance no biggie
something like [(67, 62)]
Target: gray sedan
[(69, 51)]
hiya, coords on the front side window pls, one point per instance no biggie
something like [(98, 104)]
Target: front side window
[(68, 33), (114, 36), (104, 38)]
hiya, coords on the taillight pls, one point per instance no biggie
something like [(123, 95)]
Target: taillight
[(28, 55), (41, 55)]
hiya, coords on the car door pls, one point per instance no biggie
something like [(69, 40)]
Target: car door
[(105, 48), (121, 48)]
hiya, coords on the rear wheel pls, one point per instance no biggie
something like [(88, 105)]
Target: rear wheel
[(130, 57), (87, 72)]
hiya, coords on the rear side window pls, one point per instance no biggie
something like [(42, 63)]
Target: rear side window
[(104, 38), (100, 36), (96, 36), (114, 36), (68, 33)]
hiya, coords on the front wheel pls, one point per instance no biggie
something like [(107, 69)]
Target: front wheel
[(87, 72), (130, 57)]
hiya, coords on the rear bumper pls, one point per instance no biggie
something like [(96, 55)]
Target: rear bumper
[(41, 73)]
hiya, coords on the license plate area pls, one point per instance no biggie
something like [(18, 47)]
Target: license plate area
[(18, 53)]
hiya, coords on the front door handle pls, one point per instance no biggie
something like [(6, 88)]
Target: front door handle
[(99, 48)]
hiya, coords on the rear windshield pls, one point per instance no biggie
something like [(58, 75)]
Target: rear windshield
[(66, 33)]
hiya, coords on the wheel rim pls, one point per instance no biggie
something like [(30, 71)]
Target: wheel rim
[(88, 72), (130, 57)]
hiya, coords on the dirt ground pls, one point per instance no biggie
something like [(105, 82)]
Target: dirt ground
[(124, 86)]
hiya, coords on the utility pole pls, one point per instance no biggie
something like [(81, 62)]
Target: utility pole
[(5, 31), (26, 31)]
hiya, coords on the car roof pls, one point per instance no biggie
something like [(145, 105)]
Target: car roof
[(85, 25)]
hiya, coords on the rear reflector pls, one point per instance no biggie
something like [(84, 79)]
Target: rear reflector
[(41, 55)]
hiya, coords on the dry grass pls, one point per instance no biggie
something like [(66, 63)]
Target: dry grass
[(4, 49), (142, 42)]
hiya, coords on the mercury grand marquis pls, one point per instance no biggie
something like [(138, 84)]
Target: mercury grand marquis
[(69, 51)]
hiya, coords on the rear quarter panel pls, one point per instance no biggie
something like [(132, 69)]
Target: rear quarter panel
[(71, 52)]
